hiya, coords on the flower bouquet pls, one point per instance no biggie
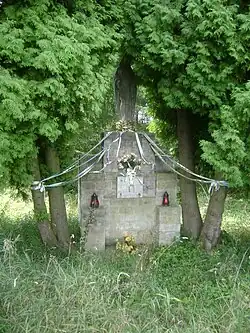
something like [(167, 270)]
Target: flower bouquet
[(129, 161)]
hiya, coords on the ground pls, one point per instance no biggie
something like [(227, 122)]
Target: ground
[(176, 289)]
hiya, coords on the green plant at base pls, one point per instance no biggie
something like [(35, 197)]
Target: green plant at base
[(41, 216)]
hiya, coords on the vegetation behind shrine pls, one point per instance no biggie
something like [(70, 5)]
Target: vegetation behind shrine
[(176, 289)]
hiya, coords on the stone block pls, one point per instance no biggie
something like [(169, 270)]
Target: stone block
[(166, 182), (169, 215), (99, 215), (109, 192), (143, 217), (164, 227), (169, 223), (167, 238), (149, 185), (134, 216), (96, 237), (95, 183), (147, 150)]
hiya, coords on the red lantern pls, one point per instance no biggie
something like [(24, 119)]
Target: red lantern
[(94, 202), (165, 199)]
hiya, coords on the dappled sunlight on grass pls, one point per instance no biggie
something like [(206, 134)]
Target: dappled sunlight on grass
[(237, 214), (13, 206), (236, 217)]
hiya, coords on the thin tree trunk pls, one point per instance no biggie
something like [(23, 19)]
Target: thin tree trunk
[(40, 210), (192, 222), (125, 91), (211, 231), (57, 205)]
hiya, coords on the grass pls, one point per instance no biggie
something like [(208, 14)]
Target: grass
[(180, 289)]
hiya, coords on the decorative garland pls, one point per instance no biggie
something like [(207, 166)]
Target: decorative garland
[(130, 163)]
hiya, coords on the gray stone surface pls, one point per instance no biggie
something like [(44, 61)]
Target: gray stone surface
[(166, 182), (96, 237), (143, 217)]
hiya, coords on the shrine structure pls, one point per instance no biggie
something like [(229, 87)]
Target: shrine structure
[(136, 193), (127, 185)]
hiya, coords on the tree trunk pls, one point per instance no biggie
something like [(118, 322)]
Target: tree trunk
[(192, 222), (211, 231), (125, 91), (40, 211), (57, 205)]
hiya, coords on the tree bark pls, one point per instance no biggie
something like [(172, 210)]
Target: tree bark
[(211, 231), (40, 210), (125, 91), (192, 222), (57, 205)]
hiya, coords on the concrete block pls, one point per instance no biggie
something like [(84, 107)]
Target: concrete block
[(165, 228), (168, 238), (143, 217), (169, 222), (134, 216), (149, 183), (99, 214), (169, 215), (95, 238), (164, 180)]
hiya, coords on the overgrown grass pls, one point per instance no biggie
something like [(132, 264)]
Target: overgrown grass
[(179, 289)]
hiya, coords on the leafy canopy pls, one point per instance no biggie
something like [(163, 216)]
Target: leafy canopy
[(54, 73), (194, 55)]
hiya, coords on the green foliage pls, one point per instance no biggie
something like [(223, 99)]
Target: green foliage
[(164, 134), (189, 46), (41, 216), (54, 75), (230, 151), (193, 55)]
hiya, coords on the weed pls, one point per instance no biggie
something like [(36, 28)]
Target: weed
[(180, 290)]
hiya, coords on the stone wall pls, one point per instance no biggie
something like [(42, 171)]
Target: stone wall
[(144, 217)]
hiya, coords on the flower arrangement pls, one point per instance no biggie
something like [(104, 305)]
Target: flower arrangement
[(129, 161), (128, 245), (125, 125)]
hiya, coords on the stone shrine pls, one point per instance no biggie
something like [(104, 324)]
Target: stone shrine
[(129, 202)]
